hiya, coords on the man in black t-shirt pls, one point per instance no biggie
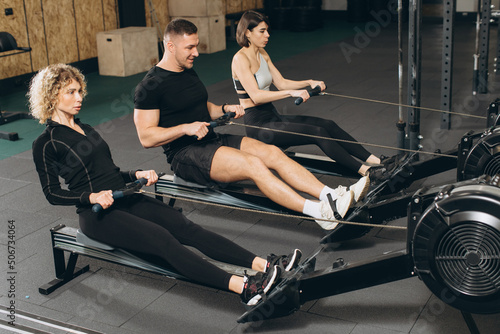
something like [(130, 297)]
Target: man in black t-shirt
[(172, 111)]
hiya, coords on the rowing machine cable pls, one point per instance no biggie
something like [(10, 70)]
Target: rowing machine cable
[(402, 105), (271, 213), (342, 140)]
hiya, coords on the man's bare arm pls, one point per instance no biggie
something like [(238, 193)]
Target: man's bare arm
[(214, 110), (152, 135)]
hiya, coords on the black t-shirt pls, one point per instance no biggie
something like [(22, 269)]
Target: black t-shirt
[(181, 98), (84, 162)]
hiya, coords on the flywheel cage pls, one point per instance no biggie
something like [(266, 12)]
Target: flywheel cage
[(468, 259), (492, 167)]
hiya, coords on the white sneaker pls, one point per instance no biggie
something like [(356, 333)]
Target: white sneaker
[(340, 190), (326, 213), (360, 188), (344, 202)]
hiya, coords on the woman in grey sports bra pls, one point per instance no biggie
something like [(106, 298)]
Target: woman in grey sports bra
[(253, 73)]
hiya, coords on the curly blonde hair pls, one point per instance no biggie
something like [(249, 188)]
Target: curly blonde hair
[(45, 86)]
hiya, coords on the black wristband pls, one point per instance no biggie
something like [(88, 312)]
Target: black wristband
[(223, 111)]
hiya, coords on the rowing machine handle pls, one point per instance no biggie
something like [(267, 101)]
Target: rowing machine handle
[(220, 121), (223, 119), (312, 92), (122, 193)]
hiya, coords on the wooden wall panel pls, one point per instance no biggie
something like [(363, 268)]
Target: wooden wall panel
[(89, 21), (63, 31), (15, 25), (161, 10), (36, 33), (248, 4), (233, 6), (110, 10), (59, 18)]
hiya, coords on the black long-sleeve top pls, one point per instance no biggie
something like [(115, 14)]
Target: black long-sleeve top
[(83, 161)]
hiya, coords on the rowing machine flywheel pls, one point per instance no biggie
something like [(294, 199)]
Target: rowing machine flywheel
[(481, 157), (456, 246)]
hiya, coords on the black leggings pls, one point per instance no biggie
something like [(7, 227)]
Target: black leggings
[(145, 225), (267, 116)]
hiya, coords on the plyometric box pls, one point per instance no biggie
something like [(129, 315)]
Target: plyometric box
[(211, 31), (127, 51)]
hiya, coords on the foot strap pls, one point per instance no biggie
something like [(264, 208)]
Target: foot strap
[(331, 201)]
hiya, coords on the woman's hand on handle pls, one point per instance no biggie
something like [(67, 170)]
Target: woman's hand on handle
[(150, 175), (315, 83), (103, 198), (236, 108), (301, 95), (311, 92)]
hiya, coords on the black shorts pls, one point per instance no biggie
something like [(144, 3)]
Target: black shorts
[(193, 162)]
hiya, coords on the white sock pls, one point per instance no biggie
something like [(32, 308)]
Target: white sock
[(327, 190), (312, 208)]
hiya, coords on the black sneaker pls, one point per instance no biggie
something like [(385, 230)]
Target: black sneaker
[(378, 175), (386, 160), (259, 285), (390, 163), (286, 262)]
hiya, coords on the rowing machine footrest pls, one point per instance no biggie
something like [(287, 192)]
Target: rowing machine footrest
[(309, 266), (339, 263), (83, 239), (183, 182), (282, 301), (345, 233)]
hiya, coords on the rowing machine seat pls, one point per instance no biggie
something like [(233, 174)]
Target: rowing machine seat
[(182, 182), (83, 239)]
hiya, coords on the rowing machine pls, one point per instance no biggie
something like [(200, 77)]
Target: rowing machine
[(77, 243), (453, 246), (245, 195), (73, 241)]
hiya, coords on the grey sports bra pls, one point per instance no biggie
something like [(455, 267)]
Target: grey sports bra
[(262, 76)]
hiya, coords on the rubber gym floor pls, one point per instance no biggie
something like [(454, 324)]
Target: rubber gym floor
[(354, 59)]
